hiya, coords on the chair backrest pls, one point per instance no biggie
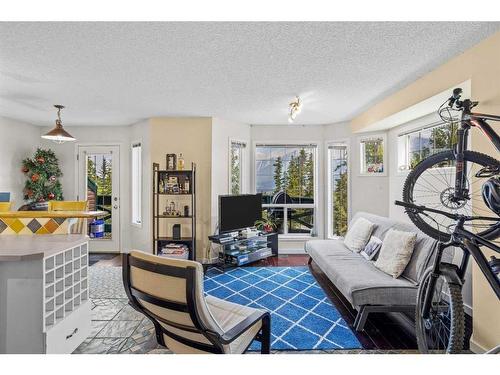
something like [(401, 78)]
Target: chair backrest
[(71, 206), (5, 206), (67, 205), (170, 293)]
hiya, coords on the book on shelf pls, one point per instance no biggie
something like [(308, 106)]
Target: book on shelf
[(173, 250)]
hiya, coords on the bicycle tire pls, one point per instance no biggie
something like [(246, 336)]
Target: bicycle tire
[(491, 233), (457, 318)]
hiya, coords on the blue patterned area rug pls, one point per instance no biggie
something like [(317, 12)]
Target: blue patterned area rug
[(302, 316)]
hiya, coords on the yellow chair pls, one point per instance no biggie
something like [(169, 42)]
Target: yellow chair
[(5, 206), (67, 205), (80, 224)]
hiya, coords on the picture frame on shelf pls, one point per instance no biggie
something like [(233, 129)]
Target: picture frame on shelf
[(373, 155), (171, 162)]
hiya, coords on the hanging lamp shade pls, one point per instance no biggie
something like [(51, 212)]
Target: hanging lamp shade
[(58, 134)]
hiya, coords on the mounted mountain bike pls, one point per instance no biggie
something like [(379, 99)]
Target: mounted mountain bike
[(444, 181), (439, 309)]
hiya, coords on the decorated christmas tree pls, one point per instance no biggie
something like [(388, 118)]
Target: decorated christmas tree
[(43, 174)]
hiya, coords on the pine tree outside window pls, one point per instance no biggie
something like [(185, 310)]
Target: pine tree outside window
[(236, 151), (338, 189), (285, 176)]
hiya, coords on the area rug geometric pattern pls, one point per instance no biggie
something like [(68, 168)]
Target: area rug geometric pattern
[(302, 317)]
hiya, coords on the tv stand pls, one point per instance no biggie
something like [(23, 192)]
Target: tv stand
[(239, 251)]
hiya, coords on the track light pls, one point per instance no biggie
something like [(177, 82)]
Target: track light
[(295, 107)]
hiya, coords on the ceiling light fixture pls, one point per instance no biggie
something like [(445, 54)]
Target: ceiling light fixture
[(295, 107), (58, 134)]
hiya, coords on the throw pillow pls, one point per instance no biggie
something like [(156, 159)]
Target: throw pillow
[(396, 252), (371, 249), (358, 234)]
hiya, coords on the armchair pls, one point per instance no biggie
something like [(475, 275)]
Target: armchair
[(170, 293)]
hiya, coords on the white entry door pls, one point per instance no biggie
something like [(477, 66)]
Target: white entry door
[(98, 183)]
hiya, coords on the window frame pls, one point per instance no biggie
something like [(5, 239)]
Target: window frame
[(136, 194), (242, 163), (285, 235), (361, 155), (403, 145), (329, 206)]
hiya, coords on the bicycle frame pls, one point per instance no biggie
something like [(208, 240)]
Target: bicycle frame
[(470, 244)]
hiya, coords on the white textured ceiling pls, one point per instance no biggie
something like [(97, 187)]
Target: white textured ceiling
[(119, 73)]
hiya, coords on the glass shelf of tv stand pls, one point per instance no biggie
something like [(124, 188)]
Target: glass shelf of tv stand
[(241, 251), (217, 238)]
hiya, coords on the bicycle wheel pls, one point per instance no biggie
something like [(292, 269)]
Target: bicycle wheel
[(432, 184), (444, 330)]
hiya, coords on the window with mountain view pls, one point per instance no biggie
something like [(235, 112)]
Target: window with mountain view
[(285, 175), (419, 144)]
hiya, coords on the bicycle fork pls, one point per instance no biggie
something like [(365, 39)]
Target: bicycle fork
[(429, 293)]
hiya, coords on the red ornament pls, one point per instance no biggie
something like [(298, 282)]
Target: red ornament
[(40, 160), (35, 177), (25, 169), (52, 178), (29, 193), (51, 196)]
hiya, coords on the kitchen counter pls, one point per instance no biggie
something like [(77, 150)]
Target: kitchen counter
[(16, 248), (44, 292), (51, 214)]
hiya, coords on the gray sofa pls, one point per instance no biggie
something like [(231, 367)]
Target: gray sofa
[(366, 287)]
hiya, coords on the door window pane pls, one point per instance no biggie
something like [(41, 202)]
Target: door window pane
[(99, 187)]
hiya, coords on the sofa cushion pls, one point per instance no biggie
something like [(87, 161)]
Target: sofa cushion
[(396, 252), (358, 279), (358, 234)]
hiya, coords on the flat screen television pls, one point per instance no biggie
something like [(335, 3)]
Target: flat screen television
[(239, 211)]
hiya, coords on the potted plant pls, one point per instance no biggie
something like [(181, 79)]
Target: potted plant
[(266, 224)]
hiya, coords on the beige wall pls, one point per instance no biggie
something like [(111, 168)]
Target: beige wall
[(191, 136), (17, 142), (481, 65)]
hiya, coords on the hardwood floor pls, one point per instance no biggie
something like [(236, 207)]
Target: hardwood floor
[(382, 331)]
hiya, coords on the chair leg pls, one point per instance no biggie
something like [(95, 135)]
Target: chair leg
[(265, 347), (310, 260)]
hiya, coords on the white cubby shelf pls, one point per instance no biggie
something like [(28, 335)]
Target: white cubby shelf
[(65, 284)]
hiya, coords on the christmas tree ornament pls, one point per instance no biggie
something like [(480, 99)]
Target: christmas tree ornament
[(25, 170), (51, 196), (40, 160), (35, 177), (52, 178)]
